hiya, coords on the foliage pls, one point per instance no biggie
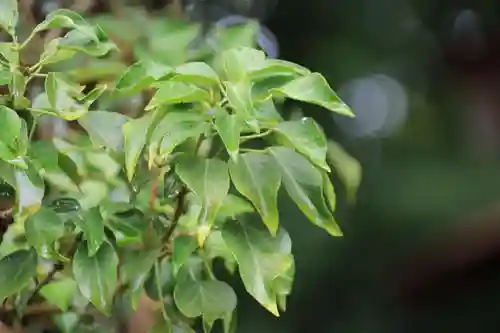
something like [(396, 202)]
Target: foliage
[(128, 204)]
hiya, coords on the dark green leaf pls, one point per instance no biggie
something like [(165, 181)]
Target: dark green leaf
[(60, 293), (229, 127), (172, 92), (11, 124), (45, 155), (210, 299), (209, 180), (314, 89), (304, 184), (183, 247), (234, 206), (257, 177), (65, 205), (17, 269), (93, 228), (105, 128), (96, 276), (307, 137), (135, 270), (329, 192), (43, 228), (261, 259), (9, 15)]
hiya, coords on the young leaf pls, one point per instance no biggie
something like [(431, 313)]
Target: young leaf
[(60, 293), (10, 53), (9, 15), (51, 89), (347, 167), (183, 247), (314, 89), (174, 128), (260, 259), (17, 268), (96, 276), (209, 180), (239, 96), (140, 75), (105, 128), (93, 228), (134, 139), (11, 125), (229, 127), (304, 184), (211, 299), (171, 92), (198, 73), (43, 228), (307, 137), (256, 176)]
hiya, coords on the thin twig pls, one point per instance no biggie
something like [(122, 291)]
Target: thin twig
[(179, 210)]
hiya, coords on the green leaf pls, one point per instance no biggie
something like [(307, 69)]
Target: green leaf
[(211, 299), (276, 67), (18, 268), (234, 206), (65, 206), (10, 52), (11, 124), (239, 96), (5, 76), (237, 63), (105, 128), (66, 108), (134, 140), (174, 128), (304, 184), (30, 189), (53, 53), (183, 247), (96, 276), (307, 137), (61, 18), (45, 155), (135, 269), (215, 247), (43, 228), (257, 177), (93, 228), (9, 15), (60, 293), (209, 180), (314, 88), (198, 73), (260, 259), (229, 127), (347, 167), (171, 92), (8, 156), (141, 75), (17, 87), (51, 89)]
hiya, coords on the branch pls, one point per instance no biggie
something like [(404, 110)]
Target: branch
[(179, 209)]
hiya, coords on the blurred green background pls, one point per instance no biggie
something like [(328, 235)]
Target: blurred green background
[(423, 77)]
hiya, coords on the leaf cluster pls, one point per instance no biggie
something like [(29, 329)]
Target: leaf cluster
[(139, 204)]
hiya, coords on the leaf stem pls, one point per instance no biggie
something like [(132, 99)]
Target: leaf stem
[(33, 127), (248, 150)]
